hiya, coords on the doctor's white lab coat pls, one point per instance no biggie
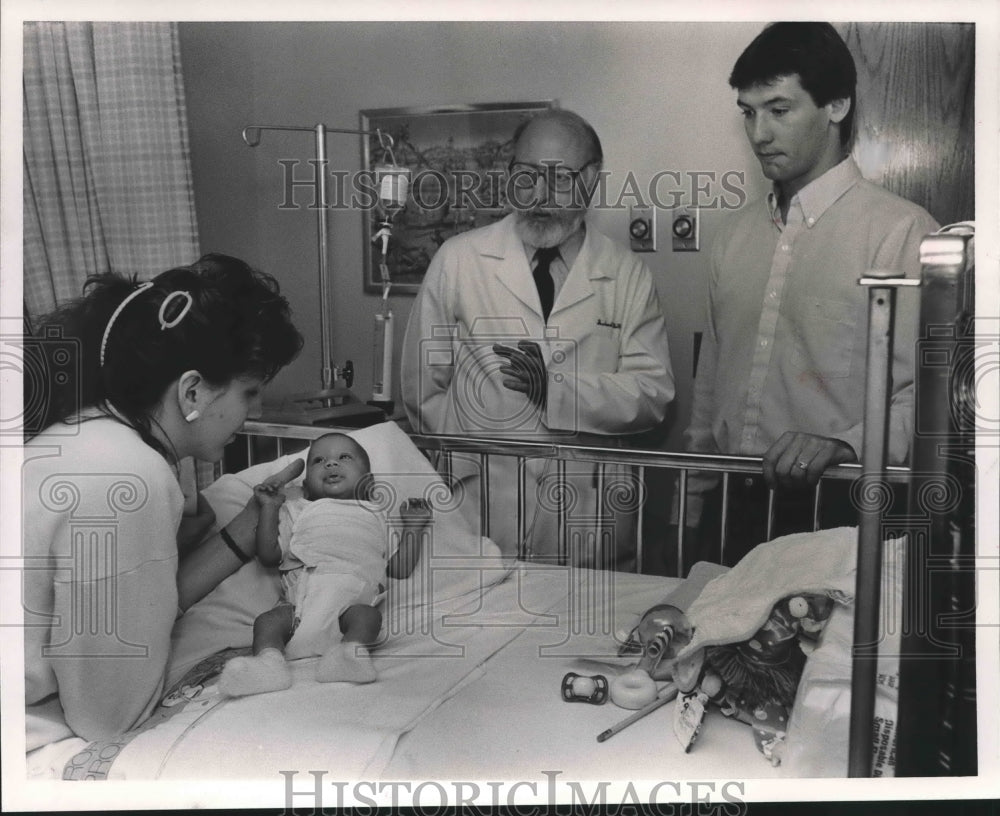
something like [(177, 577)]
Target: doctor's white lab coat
[(604, 345)]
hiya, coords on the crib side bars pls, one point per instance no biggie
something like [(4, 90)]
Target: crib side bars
[(881, 302)]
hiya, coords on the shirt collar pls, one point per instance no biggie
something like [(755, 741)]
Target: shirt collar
[(819, 195), (568, 249)]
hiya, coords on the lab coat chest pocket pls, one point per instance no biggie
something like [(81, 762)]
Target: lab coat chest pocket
[(824, 333), (598, 347)]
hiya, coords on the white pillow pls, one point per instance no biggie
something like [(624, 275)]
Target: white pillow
[(225, 617), (395, 460)]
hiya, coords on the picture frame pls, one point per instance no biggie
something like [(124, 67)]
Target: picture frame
[(457, 156)]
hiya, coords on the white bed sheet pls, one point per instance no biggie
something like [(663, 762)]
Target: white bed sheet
[(511, 724), (473, 692), (346, 728)]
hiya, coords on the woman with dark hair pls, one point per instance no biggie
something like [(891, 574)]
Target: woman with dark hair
[(167, 369)]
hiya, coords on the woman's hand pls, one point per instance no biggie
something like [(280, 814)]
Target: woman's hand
[(193, 528), (205, 567)]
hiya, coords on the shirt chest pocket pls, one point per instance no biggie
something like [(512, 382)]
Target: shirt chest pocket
[(823, 336)]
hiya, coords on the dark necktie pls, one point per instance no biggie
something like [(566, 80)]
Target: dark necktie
[(543, 278)]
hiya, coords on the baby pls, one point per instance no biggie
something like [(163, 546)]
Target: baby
[(330, 546)]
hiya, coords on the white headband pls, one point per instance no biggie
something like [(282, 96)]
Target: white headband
[(164, 323)]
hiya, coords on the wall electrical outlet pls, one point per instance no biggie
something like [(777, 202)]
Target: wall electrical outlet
[(642, 229), (684, 230)]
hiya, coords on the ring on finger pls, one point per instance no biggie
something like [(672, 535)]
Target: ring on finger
[(802, 465)]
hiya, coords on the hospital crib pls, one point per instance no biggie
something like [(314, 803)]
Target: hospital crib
[(938, 659)]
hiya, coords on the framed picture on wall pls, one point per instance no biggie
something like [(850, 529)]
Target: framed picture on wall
[(457, 156)]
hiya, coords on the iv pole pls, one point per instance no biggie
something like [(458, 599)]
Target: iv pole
[(329, 373)]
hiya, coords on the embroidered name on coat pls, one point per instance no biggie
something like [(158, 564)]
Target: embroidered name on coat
[(609, 323)]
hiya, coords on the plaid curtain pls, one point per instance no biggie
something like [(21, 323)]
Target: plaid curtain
[(107, 175), (107, 171)]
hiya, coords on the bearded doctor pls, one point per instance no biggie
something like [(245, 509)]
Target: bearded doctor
[(538, 327)]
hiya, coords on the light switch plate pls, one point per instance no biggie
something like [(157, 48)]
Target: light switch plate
[(684, 229), (642, 228)]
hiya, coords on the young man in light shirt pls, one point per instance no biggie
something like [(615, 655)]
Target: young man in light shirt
[(781, 372)]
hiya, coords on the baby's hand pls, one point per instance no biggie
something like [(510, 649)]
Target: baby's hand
[(415, 512), (286, 474), (269, 495)]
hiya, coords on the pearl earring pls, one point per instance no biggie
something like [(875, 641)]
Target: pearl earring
[(192, 416)]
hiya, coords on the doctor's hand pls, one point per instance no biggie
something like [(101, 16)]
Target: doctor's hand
[(524, 370), (797, 460)]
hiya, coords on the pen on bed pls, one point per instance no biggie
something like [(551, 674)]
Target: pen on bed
[(669, 693)]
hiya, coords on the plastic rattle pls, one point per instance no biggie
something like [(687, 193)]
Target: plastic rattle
[(579, 688), (662, 633)]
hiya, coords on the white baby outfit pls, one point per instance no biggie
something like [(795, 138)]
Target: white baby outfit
[(334, 556)]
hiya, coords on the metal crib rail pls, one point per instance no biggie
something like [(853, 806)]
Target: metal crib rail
[(604, 454), (600, 451), (928, 672), (882, 292), (587, 450)]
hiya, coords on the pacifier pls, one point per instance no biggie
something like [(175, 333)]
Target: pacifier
[(579, 688)]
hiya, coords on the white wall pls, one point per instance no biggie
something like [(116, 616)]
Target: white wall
[(656, 93)]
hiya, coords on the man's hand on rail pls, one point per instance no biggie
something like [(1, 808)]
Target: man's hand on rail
[(798, 460), (524, 370)]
